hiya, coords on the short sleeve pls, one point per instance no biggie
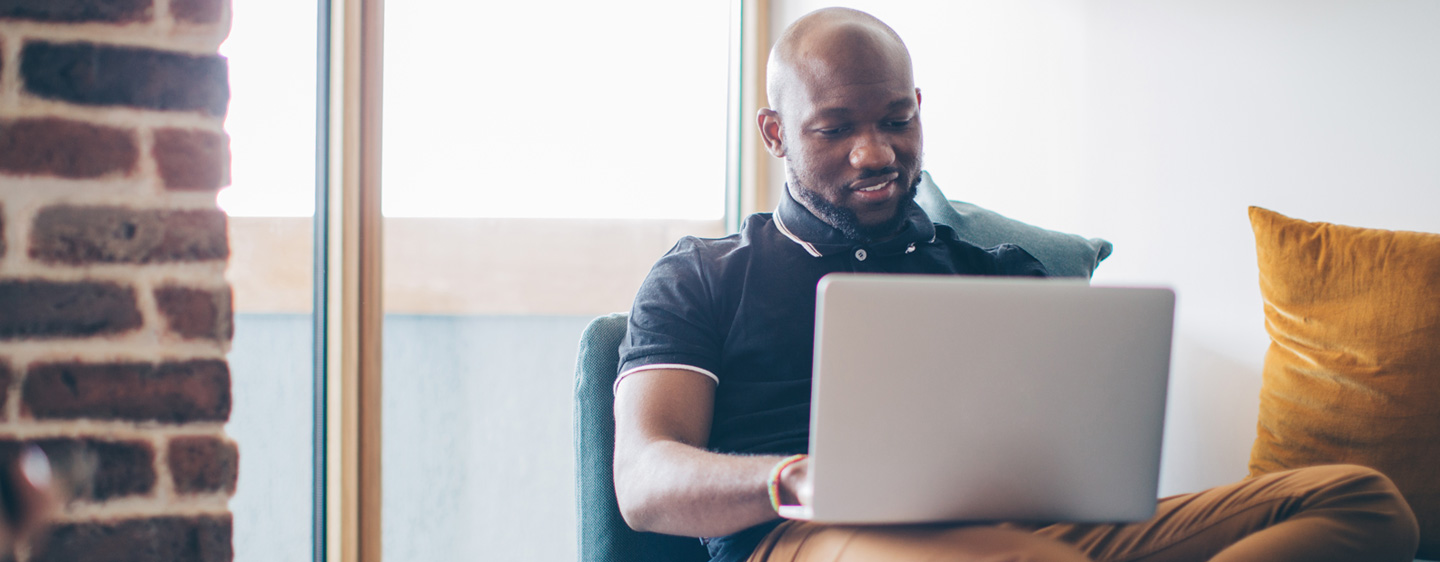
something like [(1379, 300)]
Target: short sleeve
[(672, 320)]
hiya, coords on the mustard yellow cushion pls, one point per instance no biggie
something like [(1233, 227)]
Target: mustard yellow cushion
[(1353, 371)]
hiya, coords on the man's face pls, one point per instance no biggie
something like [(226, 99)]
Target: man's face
[(852, 141)]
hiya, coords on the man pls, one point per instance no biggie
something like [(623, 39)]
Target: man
[(714, 387)]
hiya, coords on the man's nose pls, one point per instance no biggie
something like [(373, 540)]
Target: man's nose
[(871, 151)]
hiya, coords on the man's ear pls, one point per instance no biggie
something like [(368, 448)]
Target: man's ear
[(770, 132), (917, 97)]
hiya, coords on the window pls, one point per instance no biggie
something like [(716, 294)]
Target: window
[(538, 158), (530, 183)]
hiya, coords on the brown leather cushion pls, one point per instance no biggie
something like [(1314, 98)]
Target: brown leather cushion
[(1353, 371)]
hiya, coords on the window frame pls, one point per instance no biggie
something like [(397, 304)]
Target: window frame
[(348, 308)]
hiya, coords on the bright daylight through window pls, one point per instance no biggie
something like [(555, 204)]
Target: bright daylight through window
[(538, 158)]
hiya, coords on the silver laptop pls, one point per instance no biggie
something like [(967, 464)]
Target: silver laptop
[(942, 398)]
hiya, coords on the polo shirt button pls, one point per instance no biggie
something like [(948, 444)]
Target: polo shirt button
[(860, 254)]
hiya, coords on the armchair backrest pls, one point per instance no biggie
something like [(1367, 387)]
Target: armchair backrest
[(603, 534)]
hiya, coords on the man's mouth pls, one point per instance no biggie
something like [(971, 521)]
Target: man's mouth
[(873, 186)]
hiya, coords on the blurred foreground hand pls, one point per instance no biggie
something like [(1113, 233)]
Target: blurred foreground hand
[(27, 496)]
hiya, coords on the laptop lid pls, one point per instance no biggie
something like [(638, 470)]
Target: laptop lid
[(942, 398)]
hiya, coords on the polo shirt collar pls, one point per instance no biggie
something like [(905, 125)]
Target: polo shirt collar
[(820, 239)]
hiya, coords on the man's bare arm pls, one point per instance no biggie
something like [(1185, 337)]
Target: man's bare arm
[(665, 480)]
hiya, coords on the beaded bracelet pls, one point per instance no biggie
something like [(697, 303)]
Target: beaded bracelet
[(773, 484)]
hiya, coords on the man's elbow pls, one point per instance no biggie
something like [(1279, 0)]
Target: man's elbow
[(636, 508)]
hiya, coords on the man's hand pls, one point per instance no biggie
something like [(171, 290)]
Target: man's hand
[(796, 487), (27, 499), (665, 480)]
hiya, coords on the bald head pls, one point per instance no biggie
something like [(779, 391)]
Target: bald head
[(830, 46)]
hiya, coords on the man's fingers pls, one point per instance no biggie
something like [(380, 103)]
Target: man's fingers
[(26, 496), (797, 481)]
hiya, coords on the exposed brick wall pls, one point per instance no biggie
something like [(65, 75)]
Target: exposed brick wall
[(191, 391), (191, 159), (76, 11), (89, 74), (64, 148), (38, 308), (196, 313), (73, 235), (118, 468), (203, 464), (156, 539), (114, 312)]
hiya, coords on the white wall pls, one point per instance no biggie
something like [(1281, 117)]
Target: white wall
[(1155, 124)]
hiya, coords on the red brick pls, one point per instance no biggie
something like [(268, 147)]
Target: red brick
[(68, 149), (203, 464), (82, 235), (120, 468), (168, 393), (159, 539), (93, 469), (48, 309), (76, 11), (196, 313), (197, 11), (6, 377), (90, 74), (191, 159)]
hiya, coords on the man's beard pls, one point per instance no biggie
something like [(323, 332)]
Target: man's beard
[(844, 219)]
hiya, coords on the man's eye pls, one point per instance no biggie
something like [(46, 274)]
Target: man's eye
[(833, 131), (899, 124)]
